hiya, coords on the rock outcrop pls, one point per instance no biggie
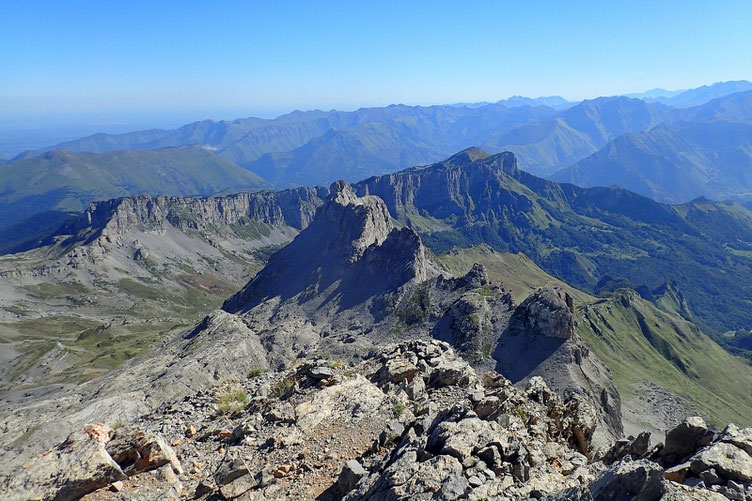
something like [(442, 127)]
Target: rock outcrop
[(91, 459), (541, 341), (294, 208)]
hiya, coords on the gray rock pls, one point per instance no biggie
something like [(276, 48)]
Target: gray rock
[(452, 374), (392, 433), (78, 466), (634, 447), (397, 370), (710, 477), (321, 372), (640, 480), (137, 451), (740, 438), (230, 470), (686, 438), (728, 460), (350, 475), (283, 412)]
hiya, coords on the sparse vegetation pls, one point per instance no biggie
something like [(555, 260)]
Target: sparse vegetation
[(417, 308), (281, 388), (486, 350), (398, 409), (232, 402), (256, 372)]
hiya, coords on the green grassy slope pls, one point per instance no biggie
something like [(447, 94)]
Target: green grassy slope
[(639, 342)]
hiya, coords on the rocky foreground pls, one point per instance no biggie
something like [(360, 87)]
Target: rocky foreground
[(412, 421)]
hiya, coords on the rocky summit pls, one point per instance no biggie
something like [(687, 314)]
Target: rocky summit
[(412, 421), (353, 366)]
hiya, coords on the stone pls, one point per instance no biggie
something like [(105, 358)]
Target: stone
[(740, 438), (283, 412), (321, 372), (640, 480), (710, 477), (350, 475), (76, 467), (137, 451), (462, 438), (392, 433), (452, 374), (678, 473), (633, 447), (488, 407), (728, 460), (686, 438), (230, 470), (396, 370)]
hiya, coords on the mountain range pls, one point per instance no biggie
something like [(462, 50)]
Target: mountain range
[(643, 145), (695, 97), (706, 152)]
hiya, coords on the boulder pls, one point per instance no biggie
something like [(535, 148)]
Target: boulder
[(76, 467), (740, 438), (729, 462), (640, 480), (137, 451), (396, 370), (350, 475), (636, 448), (686, 438)]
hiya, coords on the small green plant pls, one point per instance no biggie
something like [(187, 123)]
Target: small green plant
[(398, 409), (486, 350), (256, 372), (280, 389), (118, 424), (336, 364), (521, 412), (232, 402)]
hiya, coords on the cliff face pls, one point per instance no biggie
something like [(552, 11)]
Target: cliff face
[(294, 208), (448, 188)]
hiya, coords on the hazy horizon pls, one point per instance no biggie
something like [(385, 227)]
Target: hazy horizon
[(85, 57)]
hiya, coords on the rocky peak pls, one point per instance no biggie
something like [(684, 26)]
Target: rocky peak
[(467, 156), (548, 312), (541, 341), (353, 252), (353, 223)]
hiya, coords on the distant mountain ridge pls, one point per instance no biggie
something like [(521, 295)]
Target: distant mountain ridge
[(703, 94), (707, 153), (543, 147), (318, 147), (63, 180)]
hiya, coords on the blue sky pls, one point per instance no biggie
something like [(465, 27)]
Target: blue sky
[(226, 59)]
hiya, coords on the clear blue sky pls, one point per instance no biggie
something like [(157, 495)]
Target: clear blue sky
[(261, 58)]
